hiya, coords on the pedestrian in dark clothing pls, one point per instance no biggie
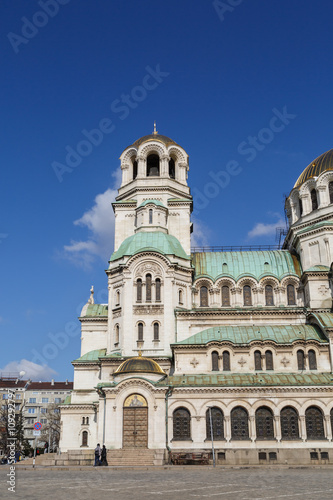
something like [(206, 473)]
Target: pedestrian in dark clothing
[(97, 455), (103, 456)]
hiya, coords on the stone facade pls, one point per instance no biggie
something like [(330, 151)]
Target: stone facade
[(242, 337)]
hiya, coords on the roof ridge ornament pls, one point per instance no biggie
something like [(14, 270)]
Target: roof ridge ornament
[(91, 298), (155, 131)]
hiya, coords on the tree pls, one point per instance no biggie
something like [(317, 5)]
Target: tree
[(51, 430), (8, 431)]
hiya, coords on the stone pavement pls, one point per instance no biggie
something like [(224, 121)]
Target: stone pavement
[(171, 483)]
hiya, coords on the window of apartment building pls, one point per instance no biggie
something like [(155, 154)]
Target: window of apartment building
[(45, 400), (57, 400), (43, 410), (31, 410), (30, 421), (5, 396), (17, 406), (43, 420), (32, 400), (17, 396)]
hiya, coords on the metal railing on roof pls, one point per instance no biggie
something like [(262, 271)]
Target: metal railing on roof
[(235, 248)]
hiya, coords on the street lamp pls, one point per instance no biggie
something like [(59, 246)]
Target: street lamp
[(211, 433)]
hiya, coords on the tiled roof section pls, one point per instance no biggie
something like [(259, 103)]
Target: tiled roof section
[(97, 310), (155, 202), (91, 356), (150, 242), (316, 167), (251, 379), (34, 386), (325, 320), (278, 263), (11, 384), (280, 334)]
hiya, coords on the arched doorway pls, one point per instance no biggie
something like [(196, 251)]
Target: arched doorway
[(135, 422)]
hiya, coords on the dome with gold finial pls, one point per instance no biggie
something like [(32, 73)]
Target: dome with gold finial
[(318, 166), (155, 136), (139, 364)]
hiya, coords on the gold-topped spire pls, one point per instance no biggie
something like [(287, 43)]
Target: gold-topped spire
[(155, 131)]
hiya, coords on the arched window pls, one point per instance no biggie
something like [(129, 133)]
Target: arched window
[(264, 423), (314, 200), (172, 168), (156, 331), (330, 191), (226, 361), (83, 420), (181, 425), (117, 298), (150, 216), (139, 290), (215, 361), (300, 360), (314, 423), (116, 334), (135, 169), (269, 360), (87, 420), (153, 165), (312, 360), (269, 298), (257, 360), (180, 297), (203, 296), (140, 331), (84, 438), (148, 287), (239, 423), (247, 295), (225, 296), (291, 295), (158, 289), (289, 423), (300, 204), (217, 424)]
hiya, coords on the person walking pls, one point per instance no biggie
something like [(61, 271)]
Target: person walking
[(97, 455), (103, 456)]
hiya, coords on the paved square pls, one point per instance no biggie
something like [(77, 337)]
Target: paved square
[(170, 484)]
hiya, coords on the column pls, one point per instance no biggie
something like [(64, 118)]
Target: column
[(141, 166), (227, 428), (303, 427), (252, 428), (328, 428), (277, 428)]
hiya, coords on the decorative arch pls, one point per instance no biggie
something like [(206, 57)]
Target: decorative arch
[(239, 423), (180, 155), (152, 147), (289, 423), (264, 423), (215, 420), (314, 423), (181, 419)]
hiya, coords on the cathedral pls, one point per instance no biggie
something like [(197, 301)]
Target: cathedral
[(225, 354)]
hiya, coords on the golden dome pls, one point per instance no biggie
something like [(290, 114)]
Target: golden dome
[(154, 137), (316, 167), (139, 364)]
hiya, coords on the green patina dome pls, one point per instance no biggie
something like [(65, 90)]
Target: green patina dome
[(139, 364), (150, 241), (316, 167)]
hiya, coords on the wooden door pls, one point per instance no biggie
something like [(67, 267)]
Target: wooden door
[(135, 428)]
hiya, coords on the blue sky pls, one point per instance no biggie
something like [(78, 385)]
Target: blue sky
[(247, 82)]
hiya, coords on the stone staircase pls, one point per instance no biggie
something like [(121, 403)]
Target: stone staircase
[(126, 457)]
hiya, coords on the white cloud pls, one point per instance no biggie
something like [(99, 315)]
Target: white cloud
[(262, 229), (200, 235), (99, 220), (32, 370)]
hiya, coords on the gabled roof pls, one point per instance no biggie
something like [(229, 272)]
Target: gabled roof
[(280, 334), (277, 263)]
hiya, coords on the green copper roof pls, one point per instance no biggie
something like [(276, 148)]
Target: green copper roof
[(317, 268), (155, 202), (324, 319), (250, 379), (278, 263), (150, 242), (97, 310), (316, 226), (91, 356), (280, 334)]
